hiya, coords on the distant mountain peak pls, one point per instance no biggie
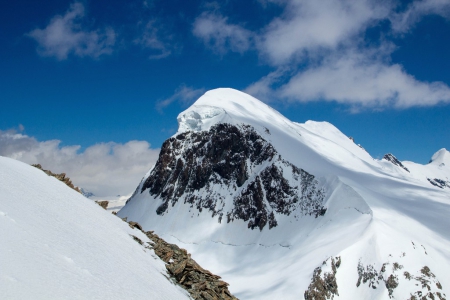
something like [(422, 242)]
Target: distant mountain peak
[(441, 158), (391, 158)]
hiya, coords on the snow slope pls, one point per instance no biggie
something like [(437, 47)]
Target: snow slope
[(57, 244), (388, 227)]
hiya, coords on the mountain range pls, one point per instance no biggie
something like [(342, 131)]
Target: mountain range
[(277, 209)]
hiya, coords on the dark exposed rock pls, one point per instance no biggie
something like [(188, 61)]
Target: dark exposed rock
[(103, 204), (427, 282), (61, 177), (391, 158), (323, 284), (200, 283), (370, 275), (439, 183), (234, 159), (135, 225), (137, 239), (391, 283)]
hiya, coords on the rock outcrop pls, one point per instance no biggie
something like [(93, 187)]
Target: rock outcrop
[(392, 159), (421, 284), (323, 284), (200, 283), (204, 168), (61, 177), (103, 204), (440, 183)]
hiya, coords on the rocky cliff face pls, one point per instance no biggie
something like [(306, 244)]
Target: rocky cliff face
[(204, 168)]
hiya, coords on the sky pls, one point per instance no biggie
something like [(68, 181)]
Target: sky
[(93, 88)]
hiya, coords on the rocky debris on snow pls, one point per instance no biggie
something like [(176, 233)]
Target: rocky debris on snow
[(134, 224), (201, 168), (431, 288), (103, 204), (426, 282), (392, 159), (323, 283), (439, 183), (369, 275), (61, 177), (391, 283), (200, 283)]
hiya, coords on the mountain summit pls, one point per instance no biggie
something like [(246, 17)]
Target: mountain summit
[(283, 210)]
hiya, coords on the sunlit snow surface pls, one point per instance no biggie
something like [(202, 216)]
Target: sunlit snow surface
[(57, 244), (378, 213)]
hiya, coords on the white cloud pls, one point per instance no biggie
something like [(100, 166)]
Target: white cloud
[(263, 88), (65, 35), (150, 38), (405, 20), (221, 36), (359, 80), (309, 26), (184, 95), (106, 169), (319, 54), (318, 46)]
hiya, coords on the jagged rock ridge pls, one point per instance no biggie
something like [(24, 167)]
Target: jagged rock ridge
[(440, 183), (391, 158), (203, 168), (61, 177), (200, 283)]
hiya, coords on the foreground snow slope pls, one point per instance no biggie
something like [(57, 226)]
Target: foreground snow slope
[(387, 227), (57, 244)]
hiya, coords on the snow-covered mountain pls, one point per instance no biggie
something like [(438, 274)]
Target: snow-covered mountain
[(57, 244), (283, 210)]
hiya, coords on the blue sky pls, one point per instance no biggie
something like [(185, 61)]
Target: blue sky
[(84, 75)]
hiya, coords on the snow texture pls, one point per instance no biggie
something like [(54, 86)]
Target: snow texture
[(57, 244)]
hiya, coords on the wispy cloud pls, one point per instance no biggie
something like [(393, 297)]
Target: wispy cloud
[(151, 38), (403, 21), (106, 169), (65, 35), (318, 51), (361, 81), (184, 95), (218, 34), (309, 26)]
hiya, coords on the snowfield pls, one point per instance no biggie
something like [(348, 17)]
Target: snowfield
[(388, 228), (57, 244)]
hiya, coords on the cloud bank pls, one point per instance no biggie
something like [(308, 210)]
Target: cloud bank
[(319, 52), (105, 169)]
